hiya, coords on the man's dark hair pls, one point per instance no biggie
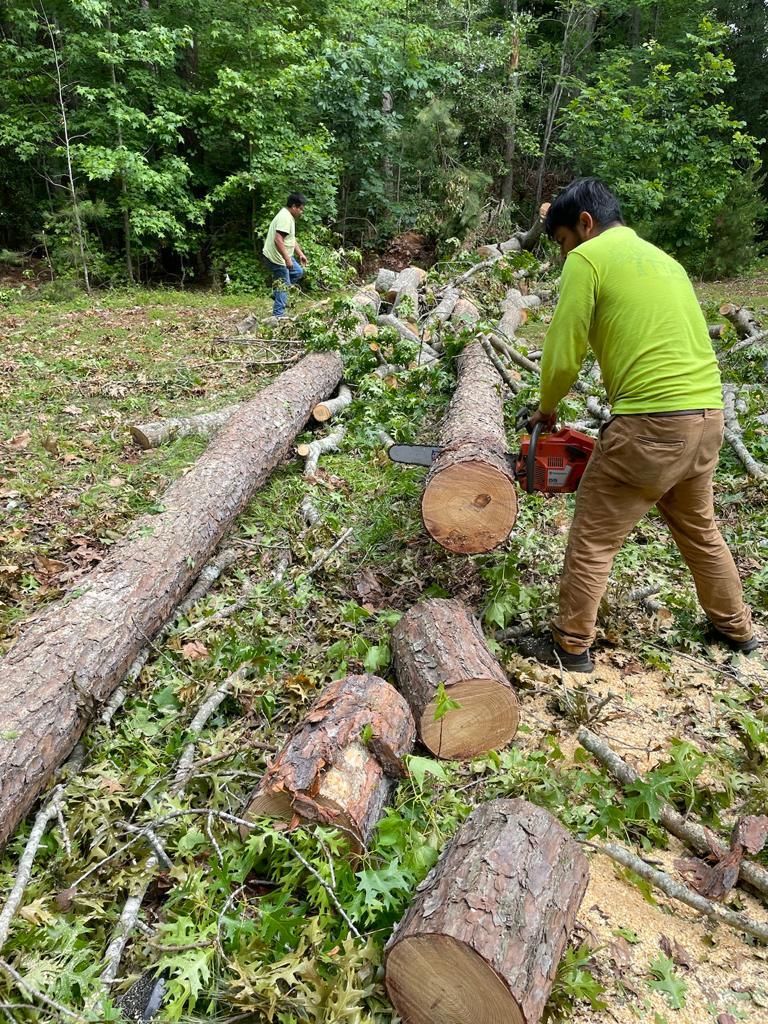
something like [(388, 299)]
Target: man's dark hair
[(296, 199), (589, 195)]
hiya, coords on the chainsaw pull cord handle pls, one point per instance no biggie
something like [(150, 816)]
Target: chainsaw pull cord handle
[(530, 459)]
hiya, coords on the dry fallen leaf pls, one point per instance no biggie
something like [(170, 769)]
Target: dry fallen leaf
[(51, 566), (713, 881), (751, 832), (194, 650), (72, 410), (20, 440)]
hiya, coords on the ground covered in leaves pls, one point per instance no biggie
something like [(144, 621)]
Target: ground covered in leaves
[(256, 929)]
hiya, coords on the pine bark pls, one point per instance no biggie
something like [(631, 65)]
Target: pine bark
[(440, 642), (152, 435), (469, 503), (339, 765), (485, 934), (75, 652)]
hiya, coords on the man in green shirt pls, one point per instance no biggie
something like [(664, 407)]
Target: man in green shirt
[(635, 307), (279, 247)]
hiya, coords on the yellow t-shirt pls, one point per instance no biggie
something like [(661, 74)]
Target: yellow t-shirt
[(285, 224), (635, 307)]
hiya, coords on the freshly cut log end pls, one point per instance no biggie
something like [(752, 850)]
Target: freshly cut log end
[(470, 507), (440, 642), (327, 773), (482, 941), (434, 978)]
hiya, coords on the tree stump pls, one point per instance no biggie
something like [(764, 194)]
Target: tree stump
[(469, 503), (484, 937), (339, 765), (440, 641)]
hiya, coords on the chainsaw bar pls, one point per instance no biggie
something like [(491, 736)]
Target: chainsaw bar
[(424, 454)]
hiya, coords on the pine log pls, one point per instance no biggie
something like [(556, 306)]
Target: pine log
[(75, 652), (407, 282), (514, 310), (483, 939), (325, 410), (440, 641), (384, 280), (402, 328), (465, 313), (151, 435), (367, 298), (469, 503), (328, 772)]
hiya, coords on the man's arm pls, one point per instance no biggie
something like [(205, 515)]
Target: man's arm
[(566, 342), (300, 254), (281, 248)]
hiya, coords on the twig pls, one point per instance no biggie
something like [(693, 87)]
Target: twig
[(309, 513), (327, 554), (329, 443), (681, 892), (36, 994), (516, 357), (331, 894), (701, 839), (753, 339)]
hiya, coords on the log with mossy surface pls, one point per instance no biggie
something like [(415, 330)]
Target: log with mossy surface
[(469, 503), (71, 656), (483, 938), (439, 642), (339, 765)]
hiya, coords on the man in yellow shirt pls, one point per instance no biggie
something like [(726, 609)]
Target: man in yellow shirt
[(635, 307), (279, 248)]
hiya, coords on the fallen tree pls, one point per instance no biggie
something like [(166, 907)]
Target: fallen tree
[(324, 411), (71, 656), (406, 286), (440, 643), (469, 503), (339, 764), (484, 936)]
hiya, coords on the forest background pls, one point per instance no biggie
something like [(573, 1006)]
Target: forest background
[(154, 141)]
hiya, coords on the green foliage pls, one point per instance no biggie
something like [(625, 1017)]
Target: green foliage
[(668, 982), (656, 129), (574, 982)]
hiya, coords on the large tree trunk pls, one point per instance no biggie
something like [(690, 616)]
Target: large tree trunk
[(151, 435), (338, 766), (75, 652), (470, 503), (440, 641), (484, 937)]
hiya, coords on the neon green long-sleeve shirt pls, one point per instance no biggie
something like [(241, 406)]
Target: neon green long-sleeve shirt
[(636, 308)]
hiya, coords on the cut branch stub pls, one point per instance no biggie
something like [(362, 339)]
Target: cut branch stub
[(439, 641), (470, 502), (483, 939), (339, 765)]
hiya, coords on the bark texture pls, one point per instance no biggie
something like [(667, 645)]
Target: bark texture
[(440, 641), (407, 283), (151, 435), (72, 655), (743, 319), (470, 502), (445, 307), (327, 772), (384, 280), (484, 936), (465, 313), (404, 329)]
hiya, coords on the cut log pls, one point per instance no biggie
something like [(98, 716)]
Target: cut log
[(390, 320), (486, 252), (367, 298), (742, 319), (485, 934), (514, 313), (527, 239), (716, 331), (151, 435), (470, 501), (325, 410), (440, 641), (75, 652), (384, 280), (407, 282), (445, 307), (465, 313), (311, 452), (338, 767)]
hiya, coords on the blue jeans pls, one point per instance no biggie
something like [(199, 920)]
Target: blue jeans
[(283, 278)]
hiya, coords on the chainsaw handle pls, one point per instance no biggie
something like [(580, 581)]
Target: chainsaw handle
[(530, 459)]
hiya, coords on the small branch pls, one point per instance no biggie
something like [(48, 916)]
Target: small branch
[(315, 449), (385, 438), (328, 409), (502, 371), (40, 996), (327, 554), (679, 891), (315, 874)]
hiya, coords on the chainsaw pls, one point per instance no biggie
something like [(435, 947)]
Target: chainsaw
[(551, 463)]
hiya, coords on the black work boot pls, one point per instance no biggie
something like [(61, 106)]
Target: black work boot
[(741, 646), (549, 652)]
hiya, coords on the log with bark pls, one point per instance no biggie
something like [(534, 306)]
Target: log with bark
[(743, 319), (465, 313), (384, 280), (487, 252), (72, 655), (514, 309), (325, 410), (527, 239), (405, 330), (485, 934), (312, 451), (339, 765), (406, 286), (440, 642), (445, 307), (151, 435), (469, 503)]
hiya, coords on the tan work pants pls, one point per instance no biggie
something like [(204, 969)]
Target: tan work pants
[(639, 462)]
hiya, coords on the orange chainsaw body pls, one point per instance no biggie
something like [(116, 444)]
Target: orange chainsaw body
[(559, 460)]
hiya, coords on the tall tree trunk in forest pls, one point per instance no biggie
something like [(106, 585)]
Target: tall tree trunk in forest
[(510, 139), (79, 234), (73, 654), (123, 185)]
